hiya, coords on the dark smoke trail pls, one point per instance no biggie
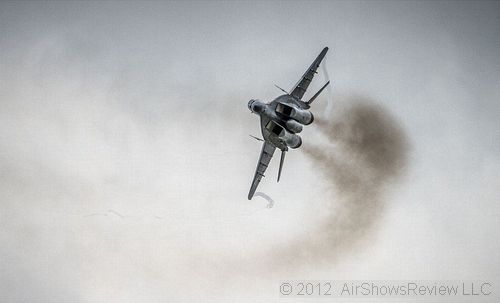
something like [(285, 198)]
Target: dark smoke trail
[(366, 153)]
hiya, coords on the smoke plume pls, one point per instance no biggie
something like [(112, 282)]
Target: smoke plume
[(364, 154)]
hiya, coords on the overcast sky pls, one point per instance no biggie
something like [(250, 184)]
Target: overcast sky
[(125, 159)]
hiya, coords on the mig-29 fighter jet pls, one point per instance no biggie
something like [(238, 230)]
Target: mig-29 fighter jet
[(281, 120)]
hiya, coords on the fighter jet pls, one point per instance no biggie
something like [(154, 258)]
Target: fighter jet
[(281, 120)]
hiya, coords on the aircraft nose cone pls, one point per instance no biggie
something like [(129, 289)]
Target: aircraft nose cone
[(256, 106), (250, 104)]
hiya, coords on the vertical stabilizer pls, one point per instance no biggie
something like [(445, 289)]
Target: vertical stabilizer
[(281, 164), (317, 94)]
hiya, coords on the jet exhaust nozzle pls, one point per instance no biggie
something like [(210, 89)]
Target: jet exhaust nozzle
[(292, 140), (293, 126), (302, 116)]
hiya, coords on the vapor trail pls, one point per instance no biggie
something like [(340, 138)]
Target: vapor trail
[(329, 100), (270, 201)]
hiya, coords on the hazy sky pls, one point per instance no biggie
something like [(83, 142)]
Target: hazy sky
[(125, 159)]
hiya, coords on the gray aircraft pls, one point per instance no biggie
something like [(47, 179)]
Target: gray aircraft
[(281, 120)]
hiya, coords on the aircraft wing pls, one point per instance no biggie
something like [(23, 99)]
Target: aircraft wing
[(300, 88), (265, 157)]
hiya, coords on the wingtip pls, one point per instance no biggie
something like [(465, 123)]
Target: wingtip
[(251, 193)]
